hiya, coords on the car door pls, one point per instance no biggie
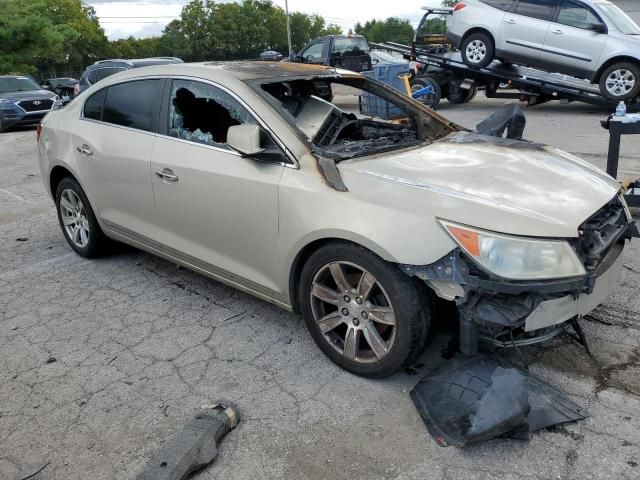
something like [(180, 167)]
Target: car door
[(113, 141), (523, 31), (217, 210), (571, 44)]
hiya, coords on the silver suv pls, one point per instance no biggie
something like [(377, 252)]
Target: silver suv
[(591, 39)]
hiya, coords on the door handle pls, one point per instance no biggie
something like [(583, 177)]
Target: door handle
[(85, 150), (557, 31), (510, 20), (167, 174)]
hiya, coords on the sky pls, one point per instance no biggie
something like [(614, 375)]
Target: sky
[(146, 18)]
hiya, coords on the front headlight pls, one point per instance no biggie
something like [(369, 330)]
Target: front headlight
[(4, 101), (516, 258)]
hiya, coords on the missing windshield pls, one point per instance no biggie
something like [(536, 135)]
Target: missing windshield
[(350, 117)]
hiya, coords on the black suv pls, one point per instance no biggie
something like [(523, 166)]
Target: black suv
[(23, 101), (105, 68)]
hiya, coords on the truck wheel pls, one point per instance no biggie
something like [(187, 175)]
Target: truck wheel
[(430, 100), (477, 50), (365, 314), (465, 98), (621, 81), (3, 127)]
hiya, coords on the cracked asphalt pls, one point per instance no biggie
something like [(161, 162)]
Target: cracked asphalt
[(101, 360)]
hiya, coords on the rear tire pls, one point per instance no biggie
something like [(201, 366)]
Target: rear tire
[(77, 220), (3, 127), (466, 98), (477, 50), (621, 81), (349, 297)]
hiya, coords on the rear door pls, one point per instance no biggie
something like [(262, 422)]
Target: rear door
[(113, 142), (572, 45), (217, 209), (523, 31)]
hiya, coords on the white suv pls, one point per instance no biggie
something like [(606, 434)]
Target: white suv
[(591, 39)]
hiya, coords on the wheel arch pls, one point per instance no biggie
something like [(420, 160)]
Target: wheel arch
[(312, 246), (57, 174), (473, 30), (611, 61)]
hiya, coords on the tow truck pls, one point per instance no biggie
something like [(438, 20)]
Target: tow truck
[(442, 71)]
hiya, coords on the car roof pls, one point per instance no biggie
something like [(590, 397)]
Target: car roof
[(134, 62), (245, 71)]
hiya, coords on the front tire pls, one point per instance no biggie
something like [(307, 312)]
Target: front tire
[(477, 50), (621, 81), (77, 220), (364, 313)]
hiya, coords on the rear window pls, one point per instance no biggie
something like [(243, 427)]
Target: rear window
[(93, 105), (103, 73), (501, 4), (350, 46), (542, 9), (134, 104)]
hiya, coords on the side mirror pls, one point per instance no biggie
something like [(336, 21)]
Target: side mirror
[(45, 87), (245, 139), (598, 27)]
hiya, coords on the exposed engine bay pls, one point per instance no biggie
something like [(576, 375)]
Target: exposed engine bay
[(335, 133)]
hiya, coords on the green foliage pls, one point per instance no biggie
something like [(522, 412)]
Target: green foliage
[(449, 3), (393, 29), (434, 25), (45, 34), (63, 36), (222, 31)]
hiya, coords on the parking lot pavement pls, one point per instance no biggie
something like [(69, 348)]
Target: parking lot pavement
[(101, 360)]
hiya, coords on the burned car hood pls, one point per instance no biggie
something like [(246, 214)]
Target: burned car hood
[(493, 183)]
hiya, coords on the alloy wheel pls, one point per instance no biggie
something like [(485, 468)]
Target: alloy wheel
[(74, 218), (353, 312), (620, 82), (476, 51)]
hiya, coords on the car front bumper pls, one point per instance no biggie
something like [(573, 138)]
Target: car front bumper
[(14, 118), (559, 310)]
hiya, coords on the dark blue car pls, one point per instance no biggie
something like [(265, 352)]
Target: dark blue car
[(24, 102)]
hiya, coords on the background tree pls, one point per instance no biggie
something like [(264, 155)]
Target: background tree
[(57, 36), (62, 37), (393, 29)]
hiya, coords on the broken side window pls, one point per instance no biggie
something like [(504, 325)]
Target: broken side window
[(202, 113)]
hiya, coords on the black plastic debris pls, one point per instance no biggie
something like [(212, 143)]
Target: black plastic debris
[(194, 446), (471, 399), (510, 117), (51, 360)]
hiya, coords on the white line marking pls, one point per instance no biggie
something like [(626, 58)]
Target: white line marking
[(13, 195)]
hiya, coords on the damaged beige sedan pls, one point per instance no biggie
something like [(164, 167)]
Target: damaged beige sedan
[(265, 177)]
